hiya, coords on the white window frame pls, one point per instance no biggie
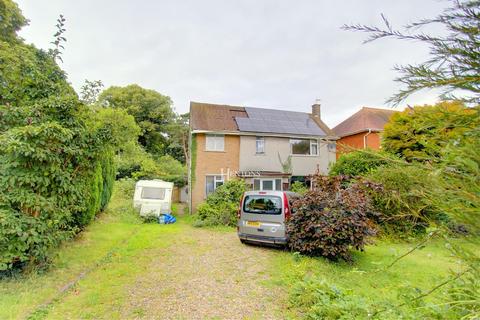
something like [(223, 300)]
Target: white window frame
[(215, 142), (274, 183), (217, 178), (260, 141), (313, 142)]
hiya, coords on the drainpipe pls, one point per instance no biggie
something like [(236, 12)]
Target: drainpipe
[(189, 180), (365, 139)]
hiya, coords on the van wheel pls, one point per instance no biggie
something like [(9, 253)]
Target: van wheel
[(242, 241)]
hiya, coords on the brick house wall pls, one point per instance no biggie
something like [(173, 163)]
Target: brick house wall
[(356, 141), (212, 163)]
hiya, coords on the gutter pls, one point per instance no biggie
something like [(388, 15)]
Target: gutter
[(365, 139), (266, 134)]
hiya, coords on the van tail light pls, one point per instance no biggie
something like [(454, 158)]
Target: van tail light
[(286, 207), (240, 207)]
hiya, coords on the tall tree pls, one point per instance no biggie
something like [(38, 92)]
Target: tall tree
[(454, 64), (178, 138), (152, 112)]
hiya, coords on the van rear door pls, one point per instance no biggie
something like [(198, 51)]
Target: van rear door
[(263, 215)]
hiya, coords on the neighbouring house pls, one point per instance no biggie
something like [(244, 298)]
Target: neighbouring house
[(268, 148), (362, 130)]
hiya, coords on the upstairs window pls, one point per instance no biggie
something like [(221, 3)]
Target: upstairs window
[(215, 142), (260, 145), (304, 147)]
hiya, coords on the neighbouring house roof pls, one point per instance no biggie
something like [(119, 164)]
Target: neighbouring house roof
[(214, 117), (373, 119)]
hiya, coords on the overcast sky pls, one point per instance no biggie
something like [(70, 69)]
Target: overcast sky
[(258, 53)]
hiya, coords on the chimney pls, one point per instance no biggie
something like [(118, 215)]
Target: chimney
[(316, 109)]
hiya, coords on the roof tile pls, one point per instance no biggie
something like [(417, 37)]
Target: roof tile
[(363, 120)]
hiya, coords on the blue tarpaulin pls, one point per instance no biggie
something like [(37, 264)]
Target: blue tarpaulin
[(166, 219)]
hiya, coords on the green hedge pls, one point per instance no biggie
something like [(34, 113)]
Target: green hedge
[(358, 163), (55, 167)]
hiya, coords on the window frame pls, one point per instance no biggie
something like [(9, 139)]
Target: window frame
[(215, 182), (162, 192), (216, 142), (257, 140), (274, 181), (312, 142)]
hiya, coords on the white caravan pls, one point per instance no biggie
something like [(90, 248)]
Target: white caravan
[(153, 197)]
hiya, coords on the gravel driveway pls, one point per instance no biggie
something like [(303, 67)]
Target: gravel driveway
[(206, 274)]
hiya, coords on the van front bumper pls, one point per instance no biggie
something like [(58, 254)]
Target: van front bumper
[(262, 239)]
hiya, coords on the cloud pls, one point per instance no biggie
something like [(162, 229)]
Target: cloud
[(280, 54)]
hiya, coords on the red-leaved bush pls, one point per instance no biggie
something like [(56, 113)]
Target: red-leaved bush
[(332, 218)]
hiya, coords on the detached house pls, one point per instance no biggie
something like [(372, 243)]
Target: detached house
[(362, 129), (268, 148)]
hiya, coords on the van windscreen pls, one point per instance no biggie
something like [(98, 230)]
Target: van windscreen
[(153, 193), (261, 204)]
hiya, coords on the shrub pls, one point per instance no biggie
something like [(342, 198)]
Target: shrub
[(221, 206), (401, 201), (317, 299), (358, 163), (51, 169), (134, 162), (299, 187), (331, 219), (108, 176), (421, 133)]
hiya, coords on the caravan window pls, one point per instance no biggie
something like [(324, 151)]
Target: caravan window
[(153, 193)]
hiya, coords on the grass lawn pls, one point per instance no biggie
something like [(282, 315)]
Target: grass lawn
[(108, 250), (90, 273), (370, 278)]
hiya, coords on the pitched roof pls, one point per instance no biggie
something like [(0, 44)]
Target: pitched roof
[(366, 119), (214, 117)]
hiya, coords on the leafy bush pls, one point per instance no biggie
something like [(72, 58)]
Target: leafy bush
[(221, 206), (134, 162), (401, 201), (420, 134), (317, 299), (331, 219), (299, 187), (358, 163), (52, 174)]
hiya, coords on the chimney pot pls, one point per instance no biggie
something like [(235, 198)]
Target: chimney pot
[(316, 109)]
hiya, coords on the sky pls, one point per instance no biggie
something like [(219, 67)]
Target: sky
[(280, 54)]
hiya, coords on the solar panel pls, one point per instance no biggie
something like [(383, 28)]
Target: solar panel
[(277, 121)]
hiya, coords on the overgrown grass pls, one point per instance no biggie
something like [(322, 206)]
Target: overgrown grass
[(110, 253), (369, 281), (103, 263)]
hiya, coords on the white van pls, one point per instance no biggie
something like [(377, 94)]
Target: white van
[(153, 197)]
